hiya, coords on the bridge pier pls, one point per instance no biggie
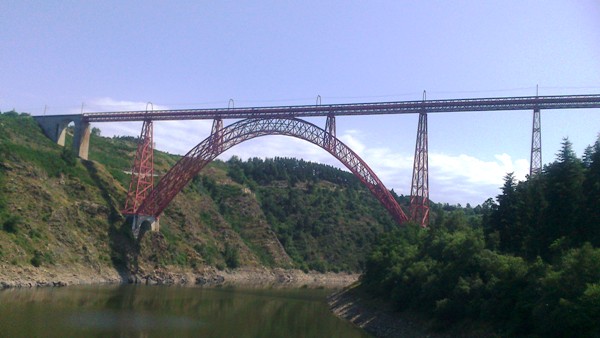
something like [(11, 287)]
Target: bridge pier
[(535, 164), (143, 223), (330, 136), (55, 127), (419, 192)]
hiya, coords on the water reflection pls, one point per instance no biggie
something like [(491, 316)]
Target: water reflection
[(142, 311)]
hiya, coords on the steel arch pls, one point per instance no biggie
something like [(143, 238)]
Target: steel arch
[(218, 142)]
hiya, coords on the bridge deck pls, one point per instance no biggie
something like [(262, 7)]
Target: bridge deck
[(378, 108)]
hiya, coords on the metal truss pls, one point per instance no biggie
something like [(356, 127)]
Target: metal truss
[(142, 172), (330, 138), (419, 192), (223, 139), (536, 145), (400, 107)]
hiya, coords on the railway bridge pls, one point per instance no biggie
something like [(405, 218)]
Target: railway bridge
[(146, 201)]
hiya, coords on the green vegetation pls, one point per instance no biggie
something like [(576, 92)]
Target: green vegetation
[(276, 212), (323, 216), (527, 265)]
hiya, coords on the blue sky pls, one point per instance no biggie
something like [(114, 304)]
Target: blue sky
[(119, 55)]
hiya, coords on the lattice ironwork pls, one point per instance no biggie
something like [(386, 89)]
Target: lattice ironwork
[(202, 154), (142, 172), (419, 192), (536, 144), (217, 135), (330, 137), (375, 108)]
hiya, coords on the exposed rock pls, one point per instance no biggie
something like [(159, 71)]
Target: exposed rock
[(210, 280), (381, 321)]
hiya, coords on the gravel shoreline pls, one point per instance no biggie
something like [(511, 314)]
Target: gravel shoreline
[(379, 320), (57, 276)]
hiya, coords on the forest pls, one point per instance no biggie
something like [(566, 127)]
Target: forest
[(324, 217), (528, 264)]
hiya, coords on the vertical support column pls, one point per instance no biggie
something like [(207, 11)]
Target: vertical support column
[(217, 136), (81, 139), (419, 193), (330, 136), (61, 133), (536, 144), (142, 172)]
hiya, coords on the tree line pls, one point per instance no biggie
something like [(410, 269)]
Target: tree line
[(526, 264)]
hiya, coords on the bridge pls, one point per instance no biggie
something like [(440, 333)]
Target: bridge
[(145, 201)]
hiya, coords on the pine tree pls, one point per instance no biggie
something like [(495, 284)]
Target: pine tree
[(591, 190), (565, 196)]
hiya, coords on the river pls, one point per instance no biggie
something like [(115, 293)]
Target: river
[(155, 311)]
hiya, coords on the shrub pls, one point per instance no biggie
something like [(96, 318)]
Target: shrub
[(12, 224), (37, 259), (231, 256)]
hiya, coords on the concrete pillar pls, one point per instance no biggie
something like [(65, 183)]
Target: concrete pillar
[(81, 139), (61, 131)]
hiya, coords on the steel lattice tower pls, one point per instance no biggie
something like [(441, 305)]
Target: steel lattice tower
[(536, 144), (419, 193), (142, 172)]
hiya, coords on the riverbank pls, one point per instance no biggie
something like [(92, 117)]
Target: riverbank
[(16, 277), (380, 320), (376, 319)]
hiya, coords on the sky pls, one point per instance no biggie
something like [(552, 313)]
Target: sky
[(65, 57)]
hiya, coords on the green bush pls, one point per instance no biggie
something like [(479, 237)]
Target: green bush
[(37, 259), (231, 256), (12, 224)]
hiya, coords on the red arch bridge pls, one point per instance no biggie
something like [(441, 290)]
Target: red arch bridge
[(146, 201)]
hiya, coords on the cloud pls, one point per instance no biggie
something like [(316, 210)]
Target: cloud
[(176, 137), (106, 104), (452, 178), (474, 170)]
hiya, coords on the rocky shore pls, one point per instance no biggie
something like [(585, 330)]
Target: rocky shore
[(350, 305), (15, 277), (378, 319)]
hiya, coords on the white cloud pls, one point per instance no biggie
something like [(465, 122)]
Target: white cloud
[(176, 137), (105, 104)]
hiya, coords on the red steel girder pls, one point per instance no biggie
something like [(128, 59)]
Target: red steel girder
[(190, 164), (419, 192), (374, 108), (142, 172), (536, 144), (330, 137), (217, 135)]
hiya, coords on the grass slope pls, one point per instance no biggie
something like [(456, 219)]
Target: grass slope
[(58, 211)]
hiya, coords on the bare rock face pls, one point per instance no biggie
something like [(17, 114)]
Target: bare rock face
[(213, 280)]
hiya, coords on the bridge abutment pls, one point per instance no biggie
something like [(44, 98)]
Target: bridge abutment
[(143, 223), (55, 127)]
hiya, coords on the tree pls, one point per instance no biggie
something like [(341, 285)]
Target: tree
[(591, 191), (504, 218), (565, 179)]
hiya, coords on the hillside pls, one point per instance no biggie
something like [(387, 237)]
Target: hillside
[(59, 213)]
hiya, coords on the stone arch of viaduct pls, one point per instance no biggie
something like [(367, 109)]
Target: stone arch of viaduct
[(55, 128)]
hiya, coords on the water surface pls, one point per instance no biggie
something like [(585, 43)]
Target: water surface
[(152, 311)]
